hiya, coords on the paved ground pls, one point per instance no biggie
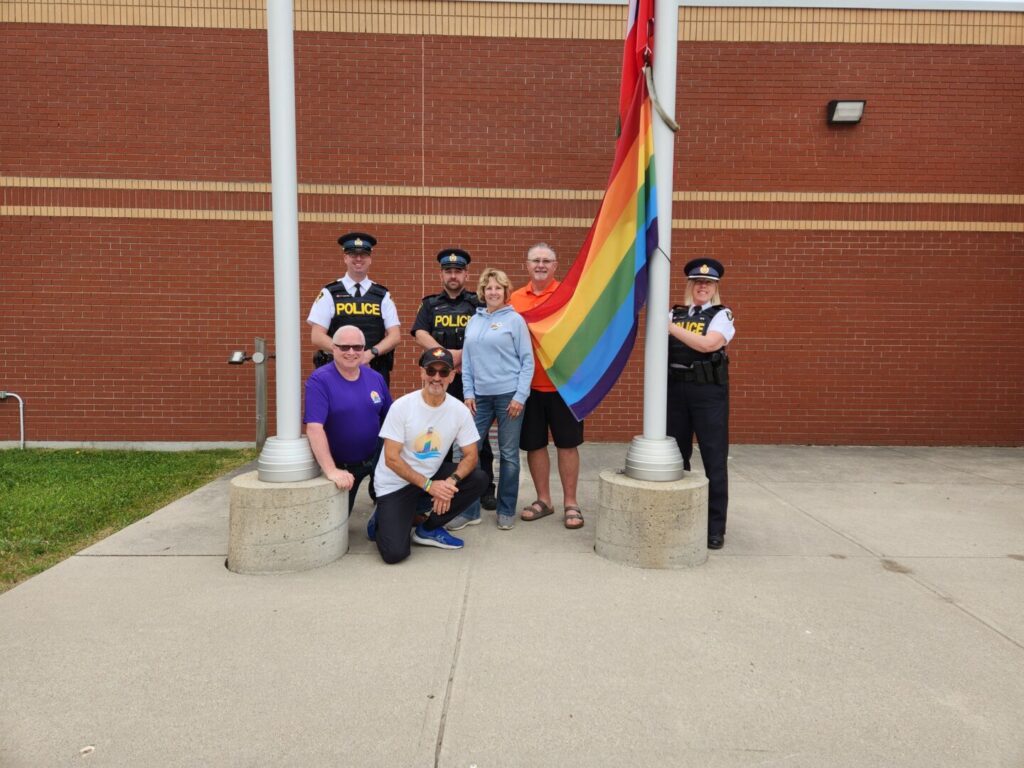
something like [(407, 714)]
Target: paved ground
[(866, 611)]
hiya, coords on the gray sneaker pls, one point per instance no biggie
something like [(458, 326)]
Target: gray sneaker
[(460, 522), (506, 522)]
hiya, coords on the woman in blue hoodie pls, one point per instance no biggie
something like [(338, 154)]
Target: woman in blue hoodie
[(497, 367)]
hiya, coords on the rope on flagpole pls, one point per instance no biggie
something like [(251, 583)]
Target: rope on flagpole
[(665, 116)]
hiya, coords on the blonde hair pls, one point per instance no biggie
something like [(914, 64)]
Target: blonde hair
[(688, 296), (499, 277)]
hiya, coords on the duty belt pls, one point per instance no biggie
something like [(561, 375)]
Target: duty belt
[(713, 371)]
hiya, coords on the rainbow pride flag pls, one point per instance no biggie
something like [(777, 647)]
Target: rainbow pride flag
[(583, 334)]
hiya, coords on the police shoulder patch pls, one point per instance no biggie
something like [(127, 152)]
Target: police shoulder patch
[(728, 313)]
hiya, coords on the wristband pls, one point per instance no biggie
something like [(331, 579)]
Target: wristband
[(426, 485)]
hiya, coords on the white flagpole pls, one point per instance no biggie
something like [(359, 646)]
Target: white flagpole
[(286, 457), (654, 456)]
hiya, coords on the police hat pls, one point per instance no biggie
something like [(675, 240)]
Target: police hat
[(357, 242), (704, 269), (437, 355), (453, 258)]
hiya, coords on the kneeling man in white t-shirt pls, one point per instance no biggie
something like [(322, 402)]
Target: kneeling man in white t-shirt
[(411, 473)]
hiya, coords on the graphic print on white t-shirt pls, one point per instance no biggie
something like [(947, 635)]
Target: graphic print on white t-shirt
[(426, 433)]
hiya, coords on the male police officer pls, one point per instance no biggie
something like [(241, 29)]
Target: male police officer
[(442, 319), (356, 300)]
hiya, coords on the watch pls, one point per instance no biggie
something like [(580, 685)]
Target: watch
[(374, 351), (454, 476)]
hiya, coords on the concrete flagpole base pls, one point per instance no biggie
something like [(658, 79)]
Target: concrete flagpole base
[(647, 524), (285, 527)]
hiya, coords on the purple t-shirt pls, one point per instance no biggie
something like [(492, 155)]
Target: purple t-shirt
[(351, 411)]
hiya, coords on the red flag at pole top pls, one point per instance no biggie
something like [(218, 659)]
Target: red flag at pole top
[(639, 50)]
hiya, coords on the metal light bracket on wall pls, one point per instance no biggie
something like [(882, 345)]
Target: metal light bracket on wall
[(259, 357)]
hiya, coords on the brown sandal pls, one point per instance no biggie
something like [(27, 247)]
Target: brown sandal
[(536, 511), (573, 518)]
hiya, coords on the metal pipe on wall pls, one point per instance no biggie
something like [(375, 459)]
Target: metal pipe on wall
[(21, 413)]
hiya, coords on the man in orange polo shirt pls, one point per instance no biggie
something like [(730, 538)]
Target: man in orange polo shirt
[(545, 408)]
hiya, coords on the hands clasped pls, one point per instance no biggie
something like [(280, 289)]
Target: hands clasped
[(443, 491)]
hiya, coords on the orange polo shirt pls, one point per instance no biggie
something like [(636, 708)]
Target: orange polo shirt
[(525, 299)]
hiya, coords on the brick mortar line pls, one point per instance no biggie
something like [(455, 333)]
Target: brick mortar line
[(511, 221), (502, 193)]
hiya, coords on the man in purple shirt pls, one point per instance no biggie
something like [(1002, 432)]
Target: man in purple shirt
[(345, 406)]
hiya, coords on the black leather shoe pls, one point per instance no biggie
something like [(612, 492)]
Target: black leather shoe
[(487, 501), (716, 542)]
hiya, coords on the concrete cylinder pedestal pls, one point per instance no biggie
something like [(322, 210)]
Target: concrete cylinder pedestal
[(647, 524), (285, 527)]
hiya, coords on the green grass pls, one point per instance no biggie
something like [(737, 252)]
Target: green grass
[(54, 503)]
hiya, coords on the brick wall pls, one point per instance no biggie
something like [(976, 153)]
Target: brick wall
[(893, 319)]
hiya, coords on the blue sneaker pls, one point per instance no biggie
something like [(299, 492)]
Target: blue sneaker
[(438, 537), (461, 522), (371, 526)]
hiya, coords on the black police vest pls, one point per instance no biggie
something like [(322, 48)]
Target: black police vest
[(678, 352), (449, 317), (364, 313)]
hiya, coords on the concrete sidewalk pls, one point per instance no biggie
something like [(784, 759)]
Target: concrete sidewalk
[(867, 610)]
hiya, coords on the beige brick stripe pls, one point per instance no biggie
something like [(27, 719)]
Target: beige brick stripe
[(378, 190), (341, 217), (567, 21)]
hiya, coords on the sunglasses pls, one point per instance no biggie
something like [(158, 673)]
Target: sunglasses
[(438, 370), (349, 347)]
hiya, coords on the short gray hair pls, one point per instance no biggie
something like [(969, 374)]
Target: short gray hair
[(541, 246)]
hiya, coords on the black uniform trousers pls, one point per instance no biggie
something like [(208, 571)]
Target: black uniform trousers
[(704, 409), (380, 365), (486, 461), (396, 511)]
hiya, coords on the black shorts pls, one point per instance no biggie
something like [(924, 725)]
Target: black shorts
[(544, 410)]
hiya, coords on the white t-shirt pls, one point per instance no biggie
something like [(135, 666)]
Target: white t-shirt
[(426, 433)]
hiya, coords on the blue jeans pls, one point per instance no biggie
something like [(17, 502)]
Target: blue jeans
[(488, 409)]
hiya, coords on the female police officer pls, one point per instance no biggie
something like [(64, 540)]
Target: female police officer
[(698, 384)]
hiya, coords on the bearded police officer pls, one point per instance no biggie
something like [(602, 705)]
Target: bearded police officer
[(356, 300), (698, 384), (442, 319)]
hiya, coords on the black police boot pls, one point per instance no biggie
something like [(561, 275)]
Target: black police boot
[(716, 542), (487, 501)]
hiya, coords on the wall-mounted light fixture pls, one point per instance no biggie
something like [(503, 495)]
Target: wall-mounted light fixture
[(260, 357), (845, 111)]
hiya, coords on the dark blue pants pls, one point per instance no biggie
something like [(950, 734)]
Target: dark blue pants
[(704, 409), (359, 471), (396, 511)]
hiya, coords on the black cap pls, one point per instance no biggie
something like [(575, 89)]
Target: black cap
[(357, 242), (437, 355), (704, 269), (453, 258)]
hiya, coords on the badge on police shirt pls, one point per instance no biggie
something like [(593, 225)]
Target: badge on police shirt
[(375, 396)]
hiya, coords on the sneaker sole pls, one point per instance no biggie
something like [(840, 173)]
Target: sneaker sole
[(460, 527), (434, 543)]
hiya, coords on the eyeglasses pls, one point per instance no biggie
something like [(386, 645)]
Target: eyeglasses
[(438, 370), (350, 347), (543, 262)]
